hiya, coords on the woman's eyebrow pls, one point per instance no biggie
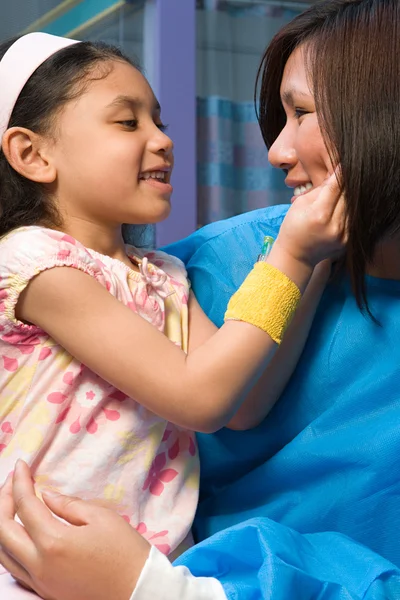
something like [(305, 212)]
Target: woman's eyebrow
[(289, 95)]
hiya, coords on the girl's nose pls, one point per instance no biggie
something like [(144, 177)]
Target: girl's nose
[(161, 142), (282, 154)]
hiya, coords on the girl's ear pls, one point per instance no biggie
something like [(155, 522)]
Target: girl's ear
[(27, 153)]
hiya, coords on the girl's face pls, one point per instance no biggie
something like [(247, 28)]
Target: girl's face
[(299, 150), (112, 158)]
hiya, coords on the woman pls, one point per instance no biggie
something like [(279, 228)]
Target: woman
[(306, 505)]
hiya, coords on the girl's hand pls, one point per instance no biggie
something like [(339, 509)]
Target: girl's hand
[(315, 225), (93, 555)]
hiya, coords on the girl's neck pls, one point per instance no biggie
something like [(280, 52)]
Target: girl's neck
[(100, 238), (386, 263)]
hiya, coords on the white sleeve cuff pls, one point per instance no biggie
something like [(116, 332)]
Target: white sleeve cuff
[(159, 580)]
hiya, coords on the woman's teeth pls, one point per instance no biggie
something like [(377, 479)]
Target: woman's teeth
[(160, 175), (302, 189)]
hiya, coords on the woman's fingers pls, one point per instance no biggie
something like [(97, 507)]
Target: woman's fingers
[(11, 532), (14, 540), (74, 511), (15, 569), (34, 515), (7, 506)]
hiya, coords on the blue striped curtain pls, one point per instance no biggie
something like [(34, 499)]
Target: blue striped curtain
[(233, 172)]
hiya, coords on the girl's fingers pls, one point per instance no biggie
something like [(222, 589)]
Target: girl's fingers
[(339, 217), (329, 196)]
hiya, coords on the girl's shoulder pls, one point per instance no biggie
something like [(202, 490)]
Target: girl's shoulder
[(26, 252), (34, 241), (35, 247)]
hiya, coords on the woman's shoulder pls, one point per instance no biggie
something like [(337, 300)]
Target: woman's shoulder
[(218, 236), (270, 216)]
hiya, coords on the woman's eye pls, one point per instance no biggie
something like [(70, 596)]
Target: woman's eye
[(299, 112)]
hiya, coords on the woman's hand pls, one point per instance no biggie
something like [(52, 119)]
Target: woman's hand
[(93, 555), (315, 225)]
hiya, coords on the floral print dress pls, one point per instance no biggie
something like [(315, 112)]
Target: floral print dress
[(81, 435)]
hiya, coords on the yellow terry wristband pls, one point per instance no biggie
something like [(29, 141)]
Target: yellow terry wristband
[(267, 299)]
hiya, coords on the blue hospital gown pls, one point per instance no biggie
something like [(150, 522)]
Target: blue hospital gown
[(307, 505)]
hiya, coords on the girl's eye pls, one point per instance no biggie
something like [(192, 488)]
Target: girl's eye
[(129, 123), (299, 112), (162, 127)]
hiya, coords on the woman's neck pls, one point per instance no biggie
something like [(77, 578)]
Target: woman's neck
[(386, 263)]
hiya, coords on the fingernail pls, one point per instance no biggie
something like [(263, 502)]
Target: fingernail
[(20, 463)]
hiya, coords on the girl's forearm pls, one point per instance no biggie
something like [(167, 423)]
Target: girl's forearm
[(275, 377)]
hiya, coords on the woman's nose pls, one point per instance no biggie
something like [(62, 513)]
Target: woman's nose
[(282, 154)]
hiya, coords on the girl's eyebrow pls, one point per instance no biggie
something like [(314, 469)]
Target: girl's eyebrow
[(123, 101), (289, 95)]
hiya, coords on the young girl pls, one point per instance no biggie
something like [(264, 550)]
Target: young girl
[(108, 363)]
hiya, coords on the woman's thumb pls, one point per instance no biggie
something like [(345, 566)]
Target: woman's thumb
[(73, 511)]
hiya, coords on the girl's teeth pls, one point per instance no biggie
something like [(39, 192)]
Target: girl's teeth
[(160, 175)]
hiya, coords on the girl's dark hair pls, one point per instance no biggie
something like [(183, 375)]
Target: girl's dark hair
[(352, 56), (61, 78)]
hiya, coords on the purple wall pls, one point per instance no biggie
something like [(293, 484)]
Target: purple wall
[(170, 64)]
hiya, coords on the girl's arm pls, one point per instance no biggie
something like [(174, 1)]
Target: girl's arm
[(201, 391), (272, 382), (265, 393)]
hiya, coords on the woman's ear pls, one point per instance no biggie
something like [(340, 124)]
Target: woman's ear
[(27, 153)]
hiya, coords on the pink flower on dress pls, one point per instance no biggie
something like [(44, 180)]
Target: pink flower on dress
[(179, 441), (118, 395), (148, 307), (69, 239), (45, 353), (158, 263), (6, 431), (157, 475), (25, 341), (63, 255), (10, 364), (158, 539), (3, 298), (85, 402)]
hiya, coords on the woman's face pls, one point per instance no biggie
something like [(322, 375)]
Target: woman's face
[(300, 150)]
